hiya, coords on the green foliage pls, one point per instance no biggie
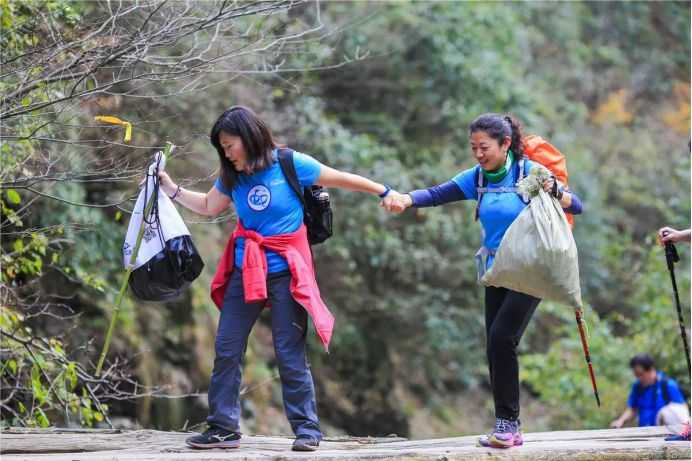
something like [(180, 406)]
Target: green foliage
[(606, 83), (560, 376), (400, 118), (39, 379), (26, 259), (20, 22)]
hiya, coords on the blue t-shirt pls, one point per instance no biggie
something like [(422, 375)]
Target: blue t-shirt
[(266, 204), (649, 400), (497, 210)]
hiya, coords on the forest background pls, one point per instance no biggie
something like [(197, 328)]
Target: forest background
[(386, 90)]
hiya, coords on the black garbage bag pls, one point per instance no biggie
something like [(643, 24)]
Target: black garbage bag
[(167, 274)]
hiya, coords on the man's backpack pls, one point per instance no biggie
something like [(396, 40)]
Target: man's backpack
[(660, 380), (317, 210)]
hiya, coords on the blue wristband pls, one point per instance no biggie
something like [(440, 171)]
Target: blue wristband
[(387, 190)]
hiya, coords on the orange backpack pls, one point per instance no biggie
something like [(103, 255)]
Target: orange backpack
[(541, 151)]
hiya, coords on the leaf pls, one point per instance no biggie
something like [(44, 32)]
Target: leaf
[(57, 347), (36, 386), (118, 215), (13, 196), (71, 374), (26, 101), (41, 418), (12, 365), (18, 245)]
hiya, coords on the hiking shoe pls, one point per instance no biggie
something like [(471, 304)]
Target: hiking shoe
[(484, 440), (683, 436), (500, 426), (305, 444), (506, 434), (215, 437)]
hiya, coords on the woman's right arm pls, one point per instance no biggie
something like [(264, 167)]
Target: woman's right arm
[(432, 196), (210, 204)]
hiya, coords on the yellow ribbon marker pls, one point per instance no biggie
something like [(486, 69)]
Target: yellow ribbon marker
[(116, 121)]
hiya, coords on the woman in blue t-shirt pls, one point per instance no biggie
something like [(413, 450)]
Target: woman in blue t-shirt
[(252, 179), (496, 143)]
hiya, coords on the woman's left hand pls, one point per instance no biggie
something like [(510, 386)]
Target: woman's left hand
[(552, 187), (548, 184)]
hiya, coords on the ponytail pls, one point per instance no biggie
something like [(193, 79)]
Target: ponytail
[(517, 144)]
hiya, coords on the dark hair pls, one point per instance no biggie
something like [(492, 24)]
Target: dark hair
[(256, 136), (642, 360), (499, 127)]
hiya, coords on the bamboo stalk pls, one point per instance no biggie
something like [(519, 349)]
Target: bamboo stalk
[(126, 277)]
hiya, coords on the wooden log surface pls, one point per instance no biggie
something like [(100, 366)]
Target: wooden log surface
[(631, 444)]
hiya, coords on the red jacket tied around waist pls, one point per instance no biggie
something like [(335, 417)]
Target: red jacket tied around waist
[(294, 247)]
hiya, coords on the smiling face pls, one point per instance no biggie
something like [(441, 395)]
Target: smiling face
[(234, 151), (488, 152)]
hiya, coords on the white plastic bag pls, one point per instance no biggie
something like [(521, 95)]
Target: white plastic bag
[(538, 254), (170, 224)]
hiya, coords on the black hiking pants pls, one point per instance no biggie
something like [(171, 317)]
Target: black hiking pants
[(507, 313)]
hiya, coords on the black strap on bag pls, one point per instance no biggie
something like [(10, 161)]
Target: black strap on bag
[(317, 210), (663, 382)]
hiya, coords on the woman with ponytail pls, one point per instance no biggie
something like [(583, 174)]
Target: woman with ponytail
[(497, 146)]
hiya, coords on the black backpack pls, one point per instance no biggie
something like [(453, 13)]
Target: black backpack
[(317, 210)]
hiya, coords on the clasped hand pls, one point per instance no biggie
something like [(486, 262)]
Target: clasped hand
[(395, 202)]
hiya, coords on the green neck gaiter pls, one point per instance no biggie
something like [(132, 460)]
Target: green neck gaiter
[(499, 174)]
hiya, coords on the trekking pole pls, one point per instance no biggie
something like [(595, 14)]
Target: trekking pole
[(671, 258), (587, 355), (130, 266)]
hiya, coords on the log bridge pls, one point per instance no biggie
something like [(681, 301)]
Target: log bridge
[(630, 444)]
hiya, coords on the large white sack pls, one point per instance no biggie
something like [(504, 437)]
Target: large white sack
[(538, 254)]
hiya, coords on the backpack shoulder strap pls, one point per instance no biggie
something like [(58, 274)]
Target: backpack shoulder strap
[(522, 169), (481, 187), (664, 388), (289, 170), (480, 179)]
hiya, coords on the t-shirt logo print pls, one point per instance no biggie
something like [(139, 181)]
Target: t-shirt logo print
[(258, 198)]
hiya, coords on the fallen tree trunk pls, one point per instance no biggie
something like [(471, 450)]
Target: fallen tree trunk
[(632, 444)]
